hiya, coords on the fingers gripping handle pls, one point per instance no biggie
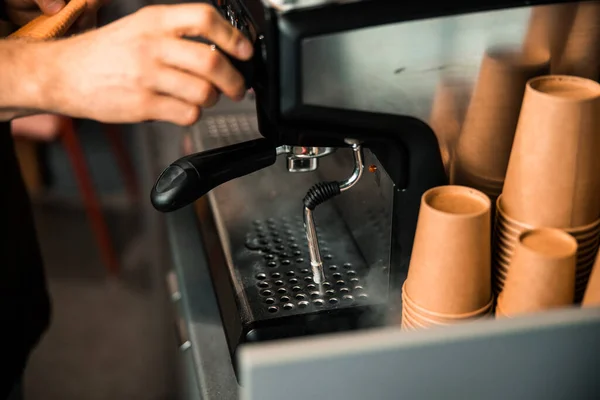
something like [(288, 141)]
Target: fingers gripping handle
[(48, 27)]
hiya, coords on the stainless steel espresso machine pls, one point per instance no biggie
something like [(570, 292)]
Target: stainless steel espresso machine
[(298, 266), (308, 203)]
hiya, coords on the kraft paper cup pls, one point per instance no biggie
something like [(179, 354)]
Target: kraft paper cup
[(508, 234), (581, 54), (414, 323), (406, 326), (410, 322), (489, 127), (552, 177), (504, 248), (501, 268), (549, 28), (447, 115), (427, 316), (426, 322), (583, 268), (541, 274), (592, 228), (418, 321), (450, 267), (584, 234), (507, 230), (507, 240)]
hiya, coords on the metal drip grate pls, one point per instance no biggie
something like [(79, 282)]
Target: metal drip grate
[(265, 239), (284, 279), (229, 129)]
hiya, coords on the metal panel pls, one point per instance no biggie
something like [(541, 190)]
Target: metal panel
[(553, 355), (398, 68), (213, 371)]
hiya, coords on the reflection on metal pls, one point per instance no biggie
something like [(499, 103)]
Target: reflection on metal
[(429, 68), (314, 252), (303, 159), (366, 209), (309, 223)]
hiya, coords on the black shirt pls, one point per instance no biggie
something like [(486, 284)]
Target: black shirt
[(24, 300)]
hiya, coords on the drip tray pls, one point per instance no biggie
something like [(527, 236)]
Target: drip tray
[(260, 229), (276, 274)]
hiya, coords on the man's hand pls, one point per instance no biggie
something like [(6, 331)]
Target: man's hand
[(138, 68), (22, 11)]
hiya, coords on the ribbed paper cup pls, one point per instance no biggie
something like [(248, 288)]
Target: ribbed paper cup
[(549, 28), (447, 115), (505, 241), (541, 274), (428, 317), (411, 322), (405, 324), (582, 233), (450, 270), (507, 231), (487, 133), (581, 54)]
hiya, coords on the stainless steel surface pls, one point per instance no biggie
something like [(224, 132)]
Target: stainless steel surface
[(403, 68), (303, 159), (213, 376), (367, 208), (280, 284), (398, 68), (314, 251), (359, 166), (302, 164), (260, 227), (552, 356), (173, 286)]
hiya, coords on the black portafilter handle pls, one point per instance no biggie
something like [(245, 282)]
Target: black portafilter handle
[(245, 68), (191, 177)]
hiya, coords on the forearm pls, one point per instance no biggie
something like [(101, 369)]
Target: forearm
[(22, 79)]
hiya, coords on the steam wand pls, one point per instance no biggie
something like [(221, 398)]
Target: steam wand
[(320, 193)]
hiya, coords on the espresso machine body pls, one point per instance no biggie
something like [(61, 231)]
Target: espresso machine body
[(328, 77)]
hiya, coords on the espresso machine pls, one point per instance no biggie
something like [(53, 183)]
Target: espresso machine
[(308, 203)]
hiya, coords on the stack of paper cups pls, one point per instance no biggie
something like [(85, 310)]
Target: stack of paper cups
[(541, 274), (449, 279), (552, 178)]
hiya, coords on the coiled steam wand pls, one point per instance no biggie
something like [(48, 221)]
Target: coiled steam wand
[(320, 193)]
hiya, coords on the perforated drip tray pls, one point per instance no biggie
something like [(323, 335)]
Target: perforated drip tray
[(281, 282), (265, 289)]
